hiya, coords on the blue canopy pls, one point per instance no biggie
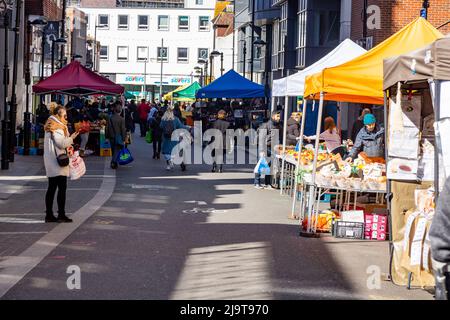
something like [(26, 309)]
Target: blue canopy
[(231, 85)]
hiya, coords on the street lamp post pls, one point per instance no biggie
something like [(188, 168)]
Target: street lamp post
[(216, 53), (199, 70), (59, 42), (13, 105), (244, 52), (211, 57), (204, 70), (27, 115), (5, 122), (161, 75)]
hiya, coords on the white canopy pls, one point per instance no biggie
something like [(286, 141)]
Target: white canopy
[(294, 85)]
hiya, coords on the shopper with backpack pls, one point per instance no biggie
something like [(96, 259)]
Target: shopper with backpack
[(170, 123)]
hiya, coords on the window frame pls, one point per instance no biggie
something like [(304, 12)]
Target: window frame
[(103, 58), (158, 58), (139, 26), (128, 54), (187, 55), (103, 26), (188, 24), (199, 2), (137, 54), (200, 25), (168, 22), (120, 26)]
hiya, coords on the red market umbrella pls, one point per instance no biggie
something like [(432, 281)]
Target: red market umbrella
[(75, 79)]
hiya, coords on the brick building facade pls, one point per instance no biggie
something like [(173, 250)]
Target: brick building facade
[(47, 8), (395, 14)]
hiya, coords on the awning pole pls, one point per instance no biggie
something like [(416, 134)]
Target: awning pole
[(300, 146), (286, 100), (272, 107)]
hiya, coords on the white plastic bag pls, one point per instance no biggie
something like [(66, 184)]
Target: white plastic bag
[(77, 168)]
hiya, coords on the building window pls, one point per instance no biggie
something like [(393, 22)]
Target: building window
[(203, 53), (142, 53), (122, 53), (326, 28), (162, 53), (142, 22), (122, 22), (183, 23), (103, 21), (86, 16), (199, 2), (182, 56), (104, 52), (163, 23), (283, 35), (275, 44), (301, 45), (203, 23)]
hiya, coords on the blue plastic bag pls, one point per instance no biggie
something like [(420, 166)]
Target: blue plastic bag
[(297, 146), (124, 157), (262, 167)]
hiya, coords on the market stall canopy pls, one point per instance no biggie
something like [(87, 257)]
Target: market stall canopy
[(168, 96), (188, 93), (129, 95), (430, 62), (231, 85), (294, 85), (361, 79), (75, 79)]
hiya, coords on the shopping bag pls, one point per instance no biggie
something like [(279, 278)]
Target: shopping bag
[(297, 146), (149, 136), (124, 157), (77, 167)]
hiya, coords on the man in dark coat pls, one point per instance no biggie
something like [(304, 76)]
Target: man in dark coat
[(293, 129)]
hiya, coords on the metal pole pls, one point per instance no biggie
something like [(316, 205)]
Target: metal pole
[(63, 31), (53, 56), (234, 36), (221, 64), (245, 54), (95, 47), (12, 137), (252, 39), (5, 122), (42, 54), (161, 76), (145, 79), (318, 128), (211, 67), (206, 73), (26, 115), (297, 168), (285, 118)]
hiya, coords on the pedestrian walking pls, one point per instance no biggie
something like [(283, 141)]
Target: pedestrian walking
[(170, 123), (57, 143), (157, 133), (222, 125), (143, 110), (116, 133)]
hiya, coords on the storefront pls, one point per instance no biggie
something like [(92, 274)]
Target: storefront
[(149, 85)]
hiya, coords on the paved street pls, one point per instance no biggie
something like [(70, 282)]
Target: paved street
[(145, 233)]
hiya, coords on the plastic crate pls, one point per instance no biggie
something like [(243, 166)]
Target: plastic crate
[(349, 230)]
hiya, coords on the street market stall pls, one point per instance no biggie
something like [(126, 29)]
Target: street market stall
[(75, 80), (294, 86), (360, 81), (234, 86), (417, 86)]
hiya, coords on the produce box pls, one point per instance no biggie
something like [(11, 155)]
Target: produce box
[(349, 230), (376, 226)]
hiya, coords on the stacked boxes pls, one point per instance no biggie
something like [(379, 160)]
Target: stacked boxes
[(105, 146), (375, 227)]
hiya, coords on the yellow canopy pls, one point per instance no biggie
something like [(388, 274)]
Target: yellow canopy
[(168, 96), (361, 80)]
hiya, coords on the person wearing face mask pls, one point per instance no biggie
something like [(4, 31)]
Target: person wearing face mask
[(57, 141), (370, 140)]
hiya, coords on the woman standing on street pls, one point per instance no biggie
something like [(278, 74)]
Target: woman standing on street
[(170, 123), (155, 126), (57, 142)]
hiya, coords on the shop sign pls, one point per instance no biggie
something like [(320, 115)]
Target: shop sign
[(130, 78), (179, 81)]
